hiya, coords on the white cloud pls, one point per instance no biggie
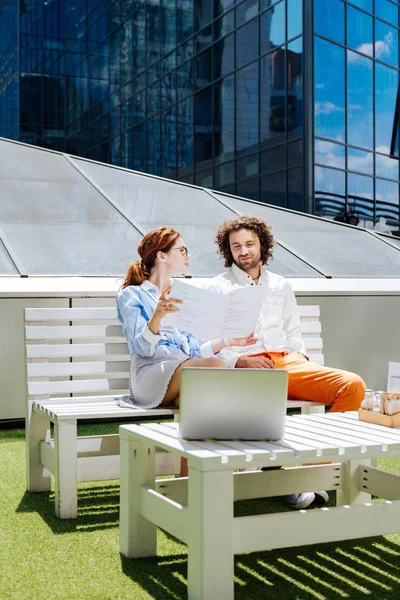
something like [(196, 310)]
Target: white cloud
[(382, 48), (327, 108), (325, 154)]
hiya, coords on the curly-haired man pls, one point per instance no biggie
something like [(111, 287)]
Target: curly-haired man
[(246, 245)]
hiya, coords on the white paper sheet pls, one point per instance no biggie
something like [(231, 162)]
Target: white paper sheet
[(209, 315), (393, 377)]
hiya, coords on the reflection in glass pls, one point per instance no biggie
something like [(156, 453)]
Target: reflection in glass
[(360, 193), (295, 18), (295, 153), (330, 192), (386, 82), (224, 119), (247, 167), (386, 167), (184, 80), (203, 13), (168, 26), (274, 159), (247, 98), (329, 19), (224, 25), (168, 143), (387, 200), (330, 154), (358, 160), (359, 31), (246, 11), (248, 189), (273, 189), (203, 128), (386, 43), (139, 147), (329, 90), (366, 4), (153, 139), (295, 88), (388, 11), (247, 43), (184, 19), (272, 98), (359, 100), (203, 39), (224, 174), (295, 189), (272, 28), (203, 68), (224, 57), (204, 178), (185, 135)]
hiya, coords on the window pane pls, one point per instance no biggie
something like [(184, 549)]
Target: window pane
[(358, 160), (247, 167), (224, 57), (367, 4), (247, 109), (273, 160), (224, 25), (295, 153), (296, 189), (203, 68), (203, 39), (329, 19), (386, 82), (224, 174), (386, 167), (224, 120), (204, 178), (272, 81), (184, 21), (203, 109), (359, 31), (246, 11), (247, 43), (272, 28), (386, 43), (153, 146), (273, 189), (295, 18), (330, 192), (330, 154), (361, 195), (168, 133), (295, 88), (329, 90), (359, 100), (387, 200), (388, 11), (248, 189), (185, 136)]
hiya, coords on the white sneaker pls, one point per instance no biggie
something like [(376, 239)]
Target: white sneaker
[(321, 498), (300, 501)]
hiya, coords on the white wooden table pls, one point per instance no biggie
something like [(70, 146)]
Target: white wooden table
[(199, 509)]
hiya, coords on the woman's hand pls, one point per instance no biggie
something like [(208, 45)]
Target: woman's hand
[(250, 340), (165, 306)]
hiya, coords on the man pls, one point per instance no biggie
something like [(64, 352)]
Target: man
[(246, 245)]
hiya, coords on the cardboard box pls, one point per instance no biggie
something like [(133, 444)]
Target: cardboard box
[(379, 418)]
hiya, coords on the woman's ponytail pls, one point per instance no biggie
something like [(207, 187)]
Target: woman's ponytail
[(136, 274)]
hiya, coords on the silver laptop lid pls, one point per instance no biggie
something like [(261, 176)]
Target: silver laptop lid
[(247, 404)]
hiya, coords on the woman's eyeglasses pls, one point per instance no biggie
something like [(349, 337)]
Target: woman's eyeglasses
[(183, 250)]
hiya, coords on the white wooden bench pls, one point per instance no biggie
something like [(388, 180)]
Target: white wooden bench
[(72, 354)]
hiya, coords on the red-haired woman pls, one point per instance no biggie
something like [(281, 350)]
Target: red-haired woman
[(157, 352)]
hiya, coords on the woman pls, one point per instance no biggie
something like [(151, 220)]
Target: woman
[(158, 353)]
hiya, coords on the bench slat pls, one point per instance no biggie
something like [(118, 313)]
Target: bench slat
[(36, 388), (309, 326), (77, 350), (44, 332), (77, 368), (69, 314)]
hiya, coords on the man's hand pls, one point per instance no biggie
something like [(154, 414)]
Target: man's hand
[(254, 362)]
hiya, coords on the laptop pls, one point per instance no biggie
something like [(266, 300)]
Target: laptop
[(230, 404)]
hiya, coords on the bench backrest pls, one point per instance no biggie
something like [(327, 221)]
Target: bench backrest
[(82, 351)]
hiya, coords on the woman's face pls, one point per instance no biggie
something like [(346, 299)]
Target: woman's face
[(178, 258)]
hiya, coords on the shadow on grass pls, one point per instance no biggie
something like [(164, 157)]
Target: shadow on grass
[(98, 508), (355, 569)]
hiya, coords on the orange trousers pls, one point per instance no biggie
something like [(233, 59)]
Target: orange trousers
[(343, 390)]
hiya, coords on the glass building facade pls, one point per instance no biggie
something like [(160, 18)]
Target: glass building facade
[(210, 92)]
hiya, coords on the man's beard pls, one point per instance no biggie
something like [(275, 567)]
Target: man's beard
[(248, 265)]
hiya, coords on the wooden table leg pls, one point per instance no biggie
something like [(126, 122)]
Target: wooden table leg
[(38, 479), (350, 491), (138, 536), (66, 469), (210, 535)]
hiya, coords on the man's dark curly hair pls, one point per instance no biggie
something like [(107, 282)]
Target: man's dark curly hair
[(260, 228)]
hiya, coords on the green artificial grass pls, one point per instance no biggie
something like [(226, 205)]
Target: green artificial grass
[(42, 557)]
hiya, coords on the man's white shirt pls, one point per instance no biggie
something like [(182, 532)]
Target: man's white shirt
[(278, 327)]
